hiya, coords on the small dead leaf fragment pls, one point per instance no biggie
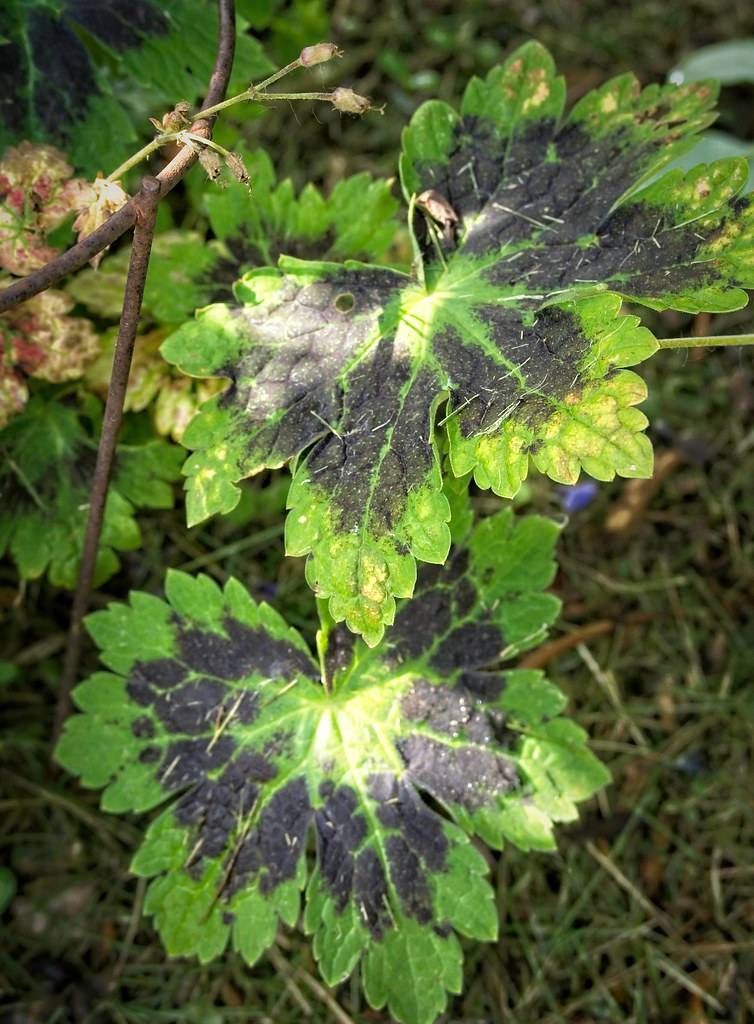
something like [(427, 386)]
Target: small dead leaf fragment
[(107, 197), (437, 206)]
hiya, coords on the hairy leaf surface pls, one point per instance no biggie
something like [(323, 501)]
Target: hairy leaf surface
[(70, 70), (510, 338), (47, 456), (215, 710)]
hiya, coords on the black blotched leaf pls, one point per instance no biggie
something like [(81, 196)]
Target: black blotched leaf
[(507, 342), (214, 710)]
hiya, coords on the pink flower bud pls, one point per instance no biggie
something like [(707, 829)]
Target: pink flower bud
[(318, 54)]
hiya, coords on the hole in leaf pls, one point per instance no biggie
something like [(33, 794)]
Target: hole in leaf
[(344, 302)]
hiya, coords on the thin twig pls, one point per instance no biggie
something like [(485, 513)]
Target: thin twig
[(128, 941), (123, 219), (149, 198), (553, 649)]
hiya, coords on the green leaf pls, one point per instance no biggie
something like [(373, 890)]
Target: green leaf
[(508, 347), (731, 63), (71, 71), (716, 145), (356, 221), (47, 456), (216, 712)]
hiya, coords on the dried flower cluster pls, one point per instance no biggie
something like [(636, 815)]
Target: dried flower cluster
[(39, 339), (37, 194)]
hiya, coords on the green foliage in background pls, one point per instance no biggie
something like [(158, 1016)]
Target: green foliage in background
[(47, 456)]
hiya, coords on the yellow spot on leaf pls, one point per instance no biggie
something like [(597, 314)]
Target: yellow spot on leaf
[(538, 97), (373, 579)]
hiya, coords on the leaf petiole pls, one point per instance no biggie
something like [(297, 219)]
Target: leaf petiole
[(711, 341), (327, 622)]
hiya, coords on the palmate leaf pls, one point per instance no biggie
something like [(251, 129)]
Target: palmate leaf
[(47, 456), (215, 706), (510, 340), (70, 70)]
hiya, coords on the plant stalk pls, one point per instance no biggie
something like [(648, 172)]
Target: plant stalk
[(149, 197), (711, 341), (136, 158)]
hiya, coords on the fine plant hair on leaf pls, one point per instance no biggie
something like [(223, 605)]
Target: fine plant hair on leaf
[(47, 455), (54, 86), (214, 710), (507, 344), (250, 229)]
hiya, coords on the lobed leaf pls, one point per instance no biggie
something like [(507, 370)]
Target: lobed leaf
[(215, 711), (508, 347), (47, 456)]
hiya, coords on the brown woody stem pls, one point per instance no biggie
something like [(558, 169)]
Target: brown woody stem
[(141, 210), (148, 199)]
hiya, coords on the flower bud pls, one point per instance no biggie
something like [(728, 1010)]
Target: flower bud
[(318, 54), (349, 102)]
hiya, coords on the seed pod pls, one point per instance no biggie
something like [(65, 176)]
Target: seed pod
[(349, 102), (237, 168), (318, 54), (211, 163)]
